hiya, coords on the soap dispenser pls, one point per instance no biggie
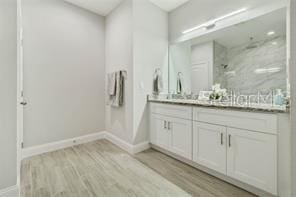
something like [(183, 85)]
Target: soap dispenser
[(279, 97)]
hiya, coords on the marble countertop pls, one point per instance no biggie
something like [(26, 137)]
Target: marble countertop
[(223, 105)]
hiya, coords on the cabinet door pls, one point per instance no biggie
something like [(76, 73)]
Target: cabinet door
[(209, 146), (159, 134), (181, 137), (252, 158)]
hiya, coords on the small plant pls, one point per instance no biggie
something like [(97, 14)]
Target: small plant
[(217, 93)]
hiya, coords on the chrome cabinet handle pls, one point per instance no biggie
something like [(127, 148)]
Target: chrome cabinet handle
[(169, 125), (229, 140), (165, 124), (221, 135)]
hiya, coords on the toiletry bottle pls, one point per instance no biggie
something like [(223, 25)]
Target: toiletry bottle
[(279, 97)]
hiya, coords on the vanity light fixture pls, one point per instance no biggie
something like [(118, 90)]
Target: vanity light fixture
[(270, 33), (212, 23)]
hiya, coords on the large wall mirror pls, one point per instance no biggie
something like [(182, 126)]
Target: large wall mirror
[(247, 57)]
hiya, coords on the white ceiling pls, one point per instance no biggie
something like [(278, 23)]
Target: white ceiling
[(169, 5), (104, 7), (101, 7)]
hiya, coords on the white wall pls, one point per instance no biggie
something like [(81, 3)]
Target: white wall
[(8, 73), (137, 41), (63, 71), (119, 56), (293, 92), (150, 51), (195, 13)]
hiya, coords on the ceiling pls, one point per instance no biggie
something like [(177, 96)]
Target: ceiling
[(104, 7), (169, 5), (240, 34), (101, 7)]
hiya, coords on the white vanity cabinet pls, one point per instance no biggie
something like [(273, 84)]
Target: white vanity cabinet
[(159, 134), (240, 145), (180, 134), (170, 131), (252, 158), (209, 146)]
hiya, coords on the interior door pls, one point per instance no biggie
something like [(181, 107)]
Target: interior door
[(180, 137), (252, 158), (159, 133), (20, 93), (199, 77), (209, 146)]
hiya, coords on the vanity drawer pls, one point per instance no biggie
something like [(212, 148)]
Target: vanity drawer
[(245, 120), (176, 111)]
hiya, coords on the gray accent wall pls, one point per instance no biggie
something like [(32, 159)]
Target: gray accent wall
[(136, 41), (119, 56), (8, 78), (64, 71)]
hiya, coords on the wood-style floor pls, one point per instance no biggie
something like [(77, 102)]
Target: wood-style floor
[(101, 169)]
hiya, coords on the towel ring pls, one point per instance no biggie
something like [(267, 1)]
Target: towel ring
[(158, 71)]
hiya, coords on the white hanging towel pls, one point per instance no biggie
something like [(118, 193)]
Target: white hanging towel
[(157, 82)]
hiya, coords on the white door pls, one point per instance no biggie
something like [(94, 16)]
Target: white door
[(159, 134), (252, 158), (199, 77), (20, 93), (209, 146), (180, 137)]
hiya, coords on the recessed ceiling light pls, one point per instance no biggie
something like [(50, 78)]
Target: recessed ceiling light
[(270, 33), (274, 43), (267, 70)]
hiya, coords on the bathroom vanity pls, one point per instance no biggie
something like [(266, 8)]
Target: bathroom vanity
[(244, 138), (239, 144)]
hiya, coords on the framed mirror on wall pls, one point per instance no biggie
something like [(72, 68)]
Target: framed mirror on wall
[(246, 57)]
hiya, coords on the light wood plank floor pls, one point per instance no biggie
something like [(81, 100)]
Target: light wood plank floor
[(101, 169)]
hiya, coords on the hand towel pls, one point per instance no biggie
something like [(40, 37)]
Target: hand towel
[(179, 85), (118, 98), (157, 83)]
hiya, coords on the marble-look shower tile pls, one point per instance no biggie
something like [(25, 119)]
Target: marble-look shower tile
[(243, 63)]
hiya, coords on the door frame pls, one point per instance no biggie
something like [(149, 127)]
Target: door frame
[(19, 99), (292, 69)]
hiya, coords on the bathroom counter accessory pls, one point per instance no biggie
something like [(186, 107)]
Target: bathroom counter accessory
[(254, 107)]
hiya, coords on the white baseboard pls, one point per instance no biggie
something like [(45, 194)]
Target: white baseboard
[(119, 142), (12, 191), (132, 149), (140, 147), (49, 147)]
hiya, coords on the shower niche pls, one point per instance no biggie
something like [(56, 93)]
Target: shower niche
[(247, 57)]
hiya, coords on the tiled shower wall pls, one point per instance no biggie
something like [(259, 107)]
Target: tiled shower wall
[(250, 70)]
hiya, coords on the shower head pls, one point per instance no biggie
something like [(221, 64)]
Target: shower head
[(224, 65), (251, 45)]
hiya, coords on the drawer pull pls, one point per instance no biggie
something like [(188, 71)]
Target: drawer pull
[(165, 124), (221, 135), (229, 140)]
